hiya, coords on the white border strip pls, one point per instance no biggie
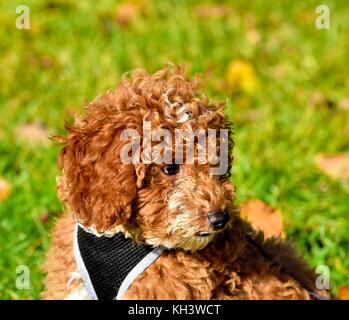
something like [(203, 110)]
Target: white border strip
[(82, 268), (138, 269)]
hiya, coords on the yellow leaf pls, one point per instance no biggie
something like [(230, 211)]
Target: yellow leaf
[(5, 189), (241, 76), (263, 218)]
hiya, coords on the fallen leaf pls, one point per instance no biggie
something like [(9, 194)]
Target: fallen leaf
[(125, 12), (318, 99), (344, 104), (241, 76), (343, 292), (253, 36), (252, 33), (32, 133), (5, 188), (47, 61), (210, 11), (334, 165), (39, 60), (251, 116), (44, 217), (262, 217)]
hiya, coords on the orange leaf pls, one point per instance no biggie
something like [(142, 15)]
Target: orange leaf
[(263, 218), (343, 292), (334, 165), (5, 189), (125, 12)]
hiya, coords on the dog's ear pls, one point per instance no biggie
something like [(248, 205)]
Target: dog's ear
[(96, 186)]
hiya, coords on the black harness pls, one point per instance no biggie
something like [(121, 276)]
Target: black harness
[(109, 264)]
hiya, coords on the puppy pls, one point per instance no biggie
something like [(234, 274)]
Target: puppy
[(171, 208)]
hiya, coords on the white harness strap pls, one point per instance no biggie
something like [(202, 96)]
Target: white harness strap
[(82, 268), (138, 269)]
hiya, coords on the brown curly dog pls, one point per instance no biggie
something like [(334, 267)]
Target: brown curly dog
[(211, 253)]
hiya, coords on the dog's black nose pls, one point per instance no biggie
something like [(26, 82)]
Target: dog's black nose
[(218, 219)]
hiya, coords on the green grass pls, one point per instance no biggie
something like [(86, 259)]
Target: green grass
[(75, 51)]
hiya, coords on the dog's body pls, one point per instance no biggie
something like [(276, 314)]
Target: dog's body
[(228, 269), (212, 253)]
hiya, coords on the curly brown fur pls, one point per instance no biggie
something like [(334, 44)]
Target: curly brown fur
[(106, 195)]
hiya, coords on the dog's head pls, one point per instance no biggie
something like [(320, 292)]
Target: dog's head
[(121, 166)]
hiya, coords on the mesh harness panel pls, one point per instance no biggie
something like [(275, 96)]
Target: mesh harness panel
[(108, 265)]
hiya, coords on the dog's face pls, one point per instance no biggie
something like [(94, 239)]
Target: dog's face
[(160, 203), (182, 206)]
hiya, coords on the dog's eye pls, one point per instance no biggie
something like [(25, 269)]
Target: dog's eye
[(171, 169)]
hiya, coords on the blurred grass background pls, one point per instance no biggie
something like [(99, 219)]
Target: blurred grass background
[(286, 111)]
